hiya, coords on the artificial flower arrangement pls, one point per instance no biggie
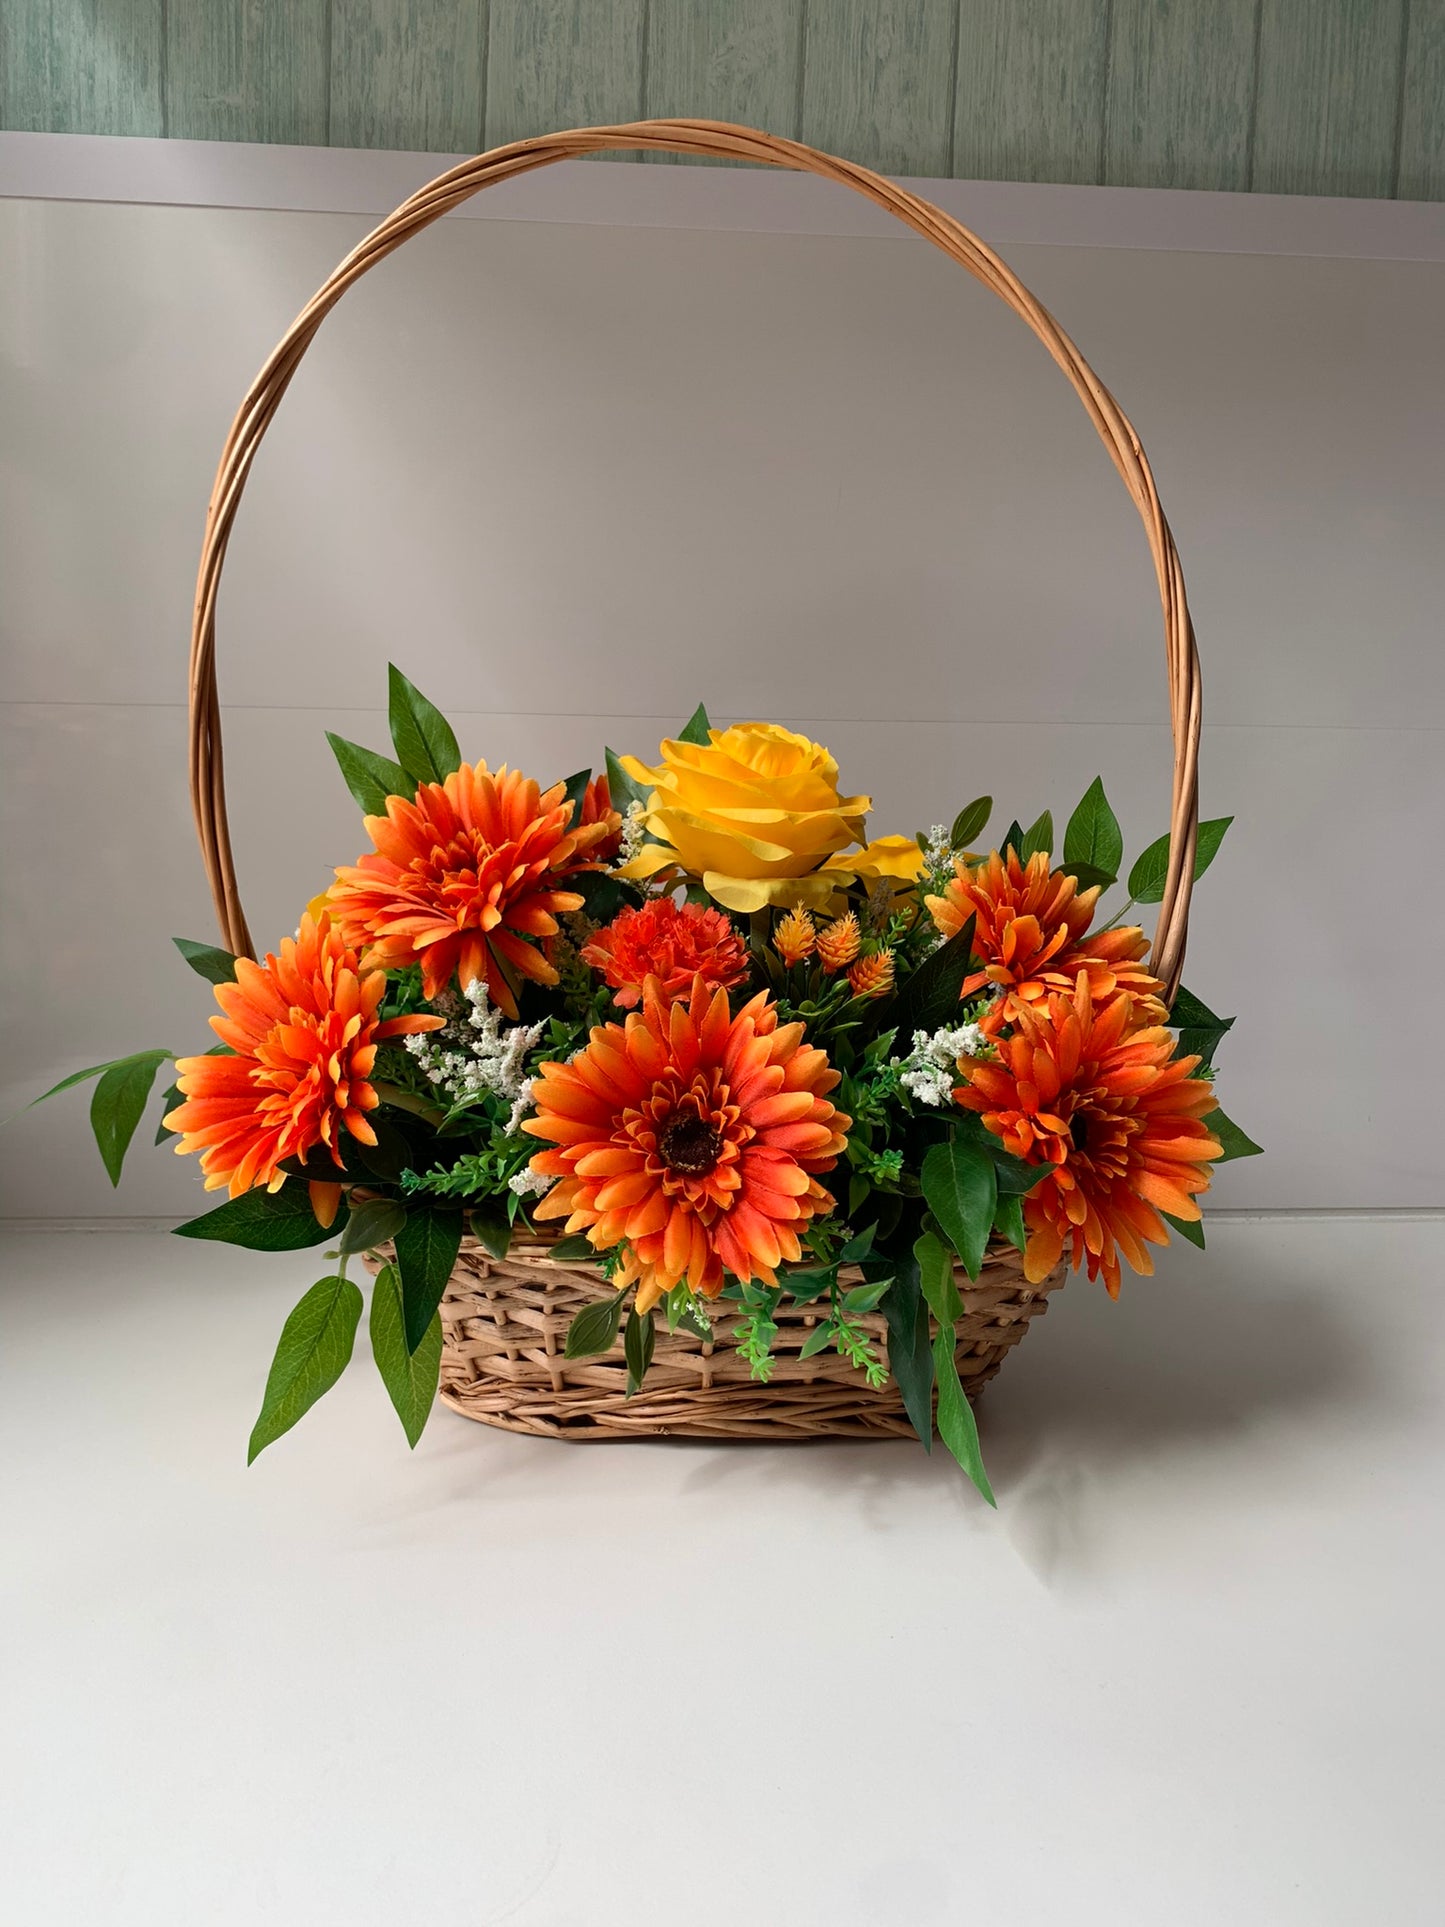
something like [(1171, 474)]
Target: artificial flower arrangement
[(689, 1017)]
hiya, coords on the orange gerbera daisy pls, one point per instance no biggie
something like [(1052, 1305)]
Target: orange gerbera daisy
[(692, 1134), (1113, 1119), (672, 942), (597, 808), (304, 1032), (1030, 937), (462, 878)]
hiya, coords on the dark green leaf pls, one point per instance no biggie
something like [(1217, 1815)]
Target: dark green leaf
[(1151, 870), (314, 1350), (1193, 1232), (957, 1426), (695, 729), (421, 735), (910, 1358), (576, 788), (961, 1187), (1087, 876), (1013, 838), (117, 1104), (491, 1227), (426, 1250), (1234, 1141), (79, 1077), (859, 1189), (1092, 836), (969, 821), (372, 1223), (805, 1286), (1008, 1220), (929, 998), (370, 778), (172, 1098), (265, 1221), (637, 1344), (935, 1277), (1039, 836), (620, 786), (866, 1297), (1200, 1031), (392, 1151), (216, 966), (569, 1250), (594, 1329), (857, 1249), (410, 1378), (817, 1338), (602, 894)]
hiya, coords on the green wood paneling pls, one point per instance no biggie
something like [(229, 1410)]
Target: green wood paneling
[(878, 82), (246, 70), (1284, 96), (81, 66), (1422, 119), (1030, 99), (408, 73), (737, 60), (1328, 96), (562, 63), (1181, 81)]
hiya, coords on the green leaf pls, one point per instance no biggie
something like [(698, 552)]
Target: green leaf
[(1235, 1143), (491, 1227), (422, 736), (314, 1350), (866, 1297), (392, 1151), (1200, 1031), (935, 1278), (910, 1358), (1147, 878), (79, 1077), (957, 1426), (817, 1338), (576, 788), (216, 966), (637, 1344), (1039, 836), (410, 1378), (1013, 838), (695, 729), (372, 1223), (929, 998), (857, 1249), (1193, 1232), (969, 821), (805, 1286), (426, 1251), (961, 1187), (369, 777), (1087, 876), (264, 1220), (117, 1104), (1092, 835), (594, 1329), (620, 786), (570, 1250), (1008, 1220)]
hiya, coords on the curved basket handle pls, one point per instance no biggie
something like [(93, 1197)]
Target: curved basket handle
[(716, 138)]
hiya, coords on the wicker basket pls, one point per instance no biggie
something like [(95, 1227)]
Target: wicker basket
[(505, 1321)]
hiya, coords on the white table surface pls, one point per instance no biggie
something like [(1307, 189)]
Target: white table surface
[(1189, 1673)]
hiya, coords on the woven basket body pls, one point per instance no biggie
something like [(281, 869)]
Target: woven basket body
[(504, 1326)]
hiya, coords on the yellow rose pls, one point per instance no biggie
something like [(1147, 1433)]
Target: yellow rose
[(891, 859), (754, 812)]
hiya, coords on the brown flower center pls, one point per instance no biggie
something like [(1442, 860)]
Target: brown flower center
[(689, 1144)]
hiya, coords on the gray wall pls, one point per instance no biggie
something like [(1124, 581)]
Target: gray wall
[(575, 478)]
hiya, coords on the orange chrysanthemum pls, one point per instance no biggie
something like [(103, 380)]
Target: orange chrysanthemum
[(672, 942), (796, 936), (692, 1134), (838, 943), (1030, 937), (463, 877), (304, 1032), (1114, 1120), (597, 808), (872, 976)]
